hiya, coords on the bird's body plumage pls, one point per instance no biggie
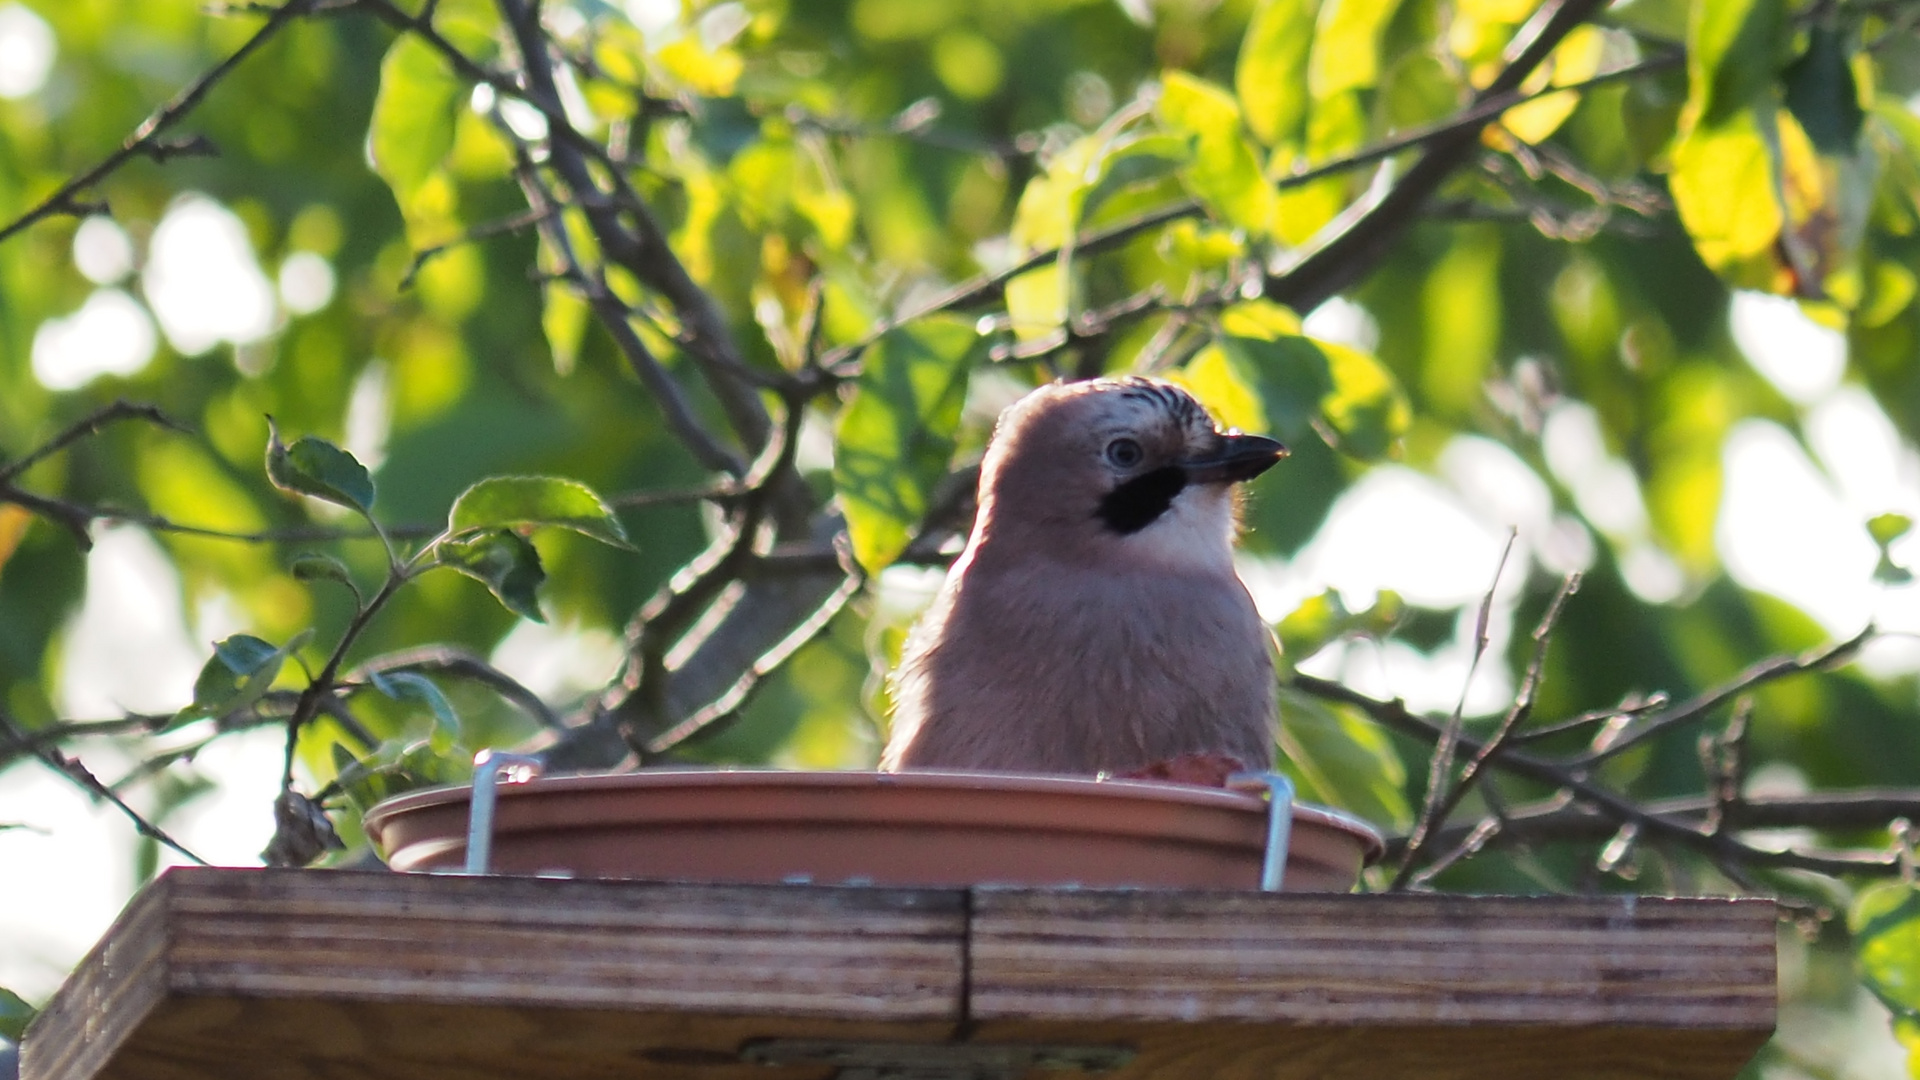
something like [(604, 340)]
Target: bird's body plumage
[(1094, 622)]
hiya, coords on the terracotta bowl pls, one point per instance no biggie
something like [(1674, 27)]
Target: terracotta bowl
[(910, 829)]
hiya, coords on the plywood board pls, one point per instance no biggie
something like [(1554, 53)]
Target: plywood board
[(215, 974), (231, 974), (1372, 960)]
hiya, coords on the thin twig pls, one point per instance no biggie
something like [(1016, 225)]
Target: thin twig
[(723, 493), (512, 223), (615, 317), (1364, 238), (729, 704), (1440, 768), (450, 660), (701, 582), (1614, 807), (987, 287), (1565, 818), (1632, 706), (1760, 674), (1724, 758), (77, 772), (85, 426), (1516, 716), (145, 139), (322, 685)]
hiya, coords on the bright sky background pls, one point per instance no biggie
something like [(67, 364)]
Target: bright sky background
[(1790, 525)]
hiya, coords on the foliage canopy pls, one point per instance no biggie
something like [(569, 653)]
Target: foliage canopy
[(735, 290)]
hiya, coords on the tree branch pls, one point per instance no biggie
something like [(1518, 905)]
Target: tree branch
[(77, 772), (1766, 671), (1516, 716), (1350, 254), (145, 139), (1616, 808), (460, 663)]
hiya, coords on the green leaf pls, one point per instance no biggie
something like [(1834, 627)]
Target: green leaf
[(1666, 19), (1341, 759), (1346, 46), (472, 25), (1886, 528), (895, 438), (1313, 625), (1346, 397), (1723, 187), (238, 674), (413, 686), (504, 561), (1227, 385), (1366, 409), (316, 467), (506, 501), (1133, 162), (1271, 76), (1319, 620), (313, 566), (15, 1015), (412, 126), (1885, 920), (395, 769), (1292, 376), (1224, 173), (564, 319), (1732, 52), (1822, 95)]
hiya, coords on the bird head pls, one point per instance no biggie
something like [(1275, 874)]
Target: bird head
[(1134, 463)]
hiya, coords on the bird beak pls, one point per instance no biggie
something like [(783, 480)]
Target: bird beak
[(1236, 458)]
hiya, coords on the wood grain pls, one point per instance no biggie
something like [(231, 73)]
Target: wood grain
[(1372, 960), (312, 975), (1222, 1051), (322, 974)]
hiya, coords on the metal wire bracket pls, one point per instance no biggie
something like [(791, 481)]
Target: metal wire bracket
[(488, 765), (1273, 869)]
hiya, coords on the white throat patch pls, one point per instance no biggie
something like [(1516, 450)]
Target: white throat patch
[(1194, 533)]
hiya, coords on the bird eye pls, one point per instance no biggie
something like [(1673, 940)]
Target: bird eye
[(1124, 453)]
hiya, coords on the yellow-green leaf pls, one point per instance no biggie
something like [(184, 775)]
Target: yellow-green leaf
[(1223, 381), (1733, 50), (1340, 759), (514, 501), (1271, 76), (1722, 184), (895, 438), (1885, 920), (1366, 407), (412, 127), (564, 320), (1346, 46), (1575, 60), (1224, 172), (712, 74)]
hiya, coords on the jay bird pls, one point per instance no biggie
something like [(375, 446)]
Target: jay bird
[(1094, 623)]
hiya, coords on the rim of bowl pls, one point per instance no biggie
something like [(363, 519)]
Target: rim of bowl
[(380, 814)]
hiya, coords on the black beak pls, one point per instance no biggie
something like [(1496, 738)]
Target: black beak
[(1237, 458)]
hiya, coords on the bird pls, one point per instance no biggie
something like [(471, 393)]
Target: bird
[(1094, 624)]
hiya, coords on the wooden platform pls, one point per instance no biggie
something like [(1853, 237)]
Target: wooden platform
[(231, 974)]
